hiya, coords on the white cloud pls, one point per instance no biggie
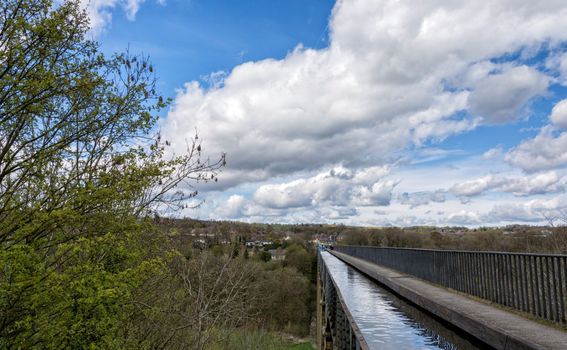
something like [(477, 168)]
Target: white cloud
[(493, 153), (233, 207), (563, 68), (477, 186), (100, 11), (557, 63), (539, 184), (417, 199), (368, 176), (547, 150), (331, 214), (390, 78), (379, 194), (500, 98), (537, 210), (337, 187), (397, 78), (289, 195), (543, 183), (464, 217), (131, 7), (559, 114)]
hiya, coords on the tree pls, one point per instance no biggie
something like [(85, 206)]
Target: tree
[(298, 257), (193, 307), (81, 168), (284, 302)]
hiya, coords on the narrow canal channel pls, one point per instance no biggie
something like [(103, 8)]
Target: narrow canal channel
[(388, 322)]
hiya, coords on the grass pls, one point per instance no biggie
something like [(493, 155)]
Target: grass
[(258, 340), (301, 346)]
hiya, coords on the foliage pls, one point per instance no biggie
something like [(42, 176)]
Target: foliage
[(299, 257), (80, 173), (204, 297), (264, 256), (285, 301)]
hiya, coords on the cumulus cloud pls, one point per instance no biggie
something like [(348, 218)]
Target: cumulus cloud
[(499, 98), (563, 69), (536, 210), (301, 192), (464, 217), (559, 114), (337, 187), (477, 186), (558, 63), (493, 153), (329, 214), (548, 182), (232, 208), (379, 194), (389, 78), (417, 199), (100, 11), (547, 150), (290, 195)]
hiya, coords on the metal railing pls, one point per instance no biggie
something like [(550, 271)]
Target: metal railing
[(340, 330), (532, 283)]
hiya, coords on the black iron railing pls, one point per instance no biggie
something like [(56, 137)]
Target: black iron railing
[(340, 330), (532, 283)]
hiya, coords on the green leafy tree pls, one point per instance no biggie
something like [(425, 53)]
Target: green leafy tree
[(81, 171), (299, 257)]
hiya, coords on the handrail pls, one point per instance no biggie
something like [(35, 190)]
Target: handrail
[(532, 283), (463, 251)]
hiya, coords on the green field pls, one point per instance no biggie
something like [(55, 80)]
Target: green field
[(258, 340)]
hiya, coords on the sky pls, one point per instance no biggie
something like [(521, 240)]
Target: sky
[(362, 112)]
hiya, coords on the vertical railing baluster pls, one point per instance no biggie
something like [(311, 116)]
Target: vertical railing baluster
[(485, 277), (453, 271), (474, 283), (467, 273), (548, 296), (538, 285), (542, 279), (494, 277), (462, 272), (525, 301), (533, 284), (562, 287), (505, 280), (515, 279), (501, 279), (471, 274), (475, 275), (555, 289)]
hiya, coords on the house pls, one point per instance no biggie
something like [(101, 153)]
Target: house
[(277, 254)]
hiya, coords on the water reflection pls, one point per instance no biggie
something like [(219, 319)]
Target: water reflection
[(386, 321)]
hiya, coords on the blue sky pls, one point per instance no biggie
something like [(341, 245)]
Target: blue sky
[(365, 112), (209, 36)]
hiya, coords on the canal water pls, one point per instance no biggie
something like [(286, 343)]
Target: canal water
[(388, 322)]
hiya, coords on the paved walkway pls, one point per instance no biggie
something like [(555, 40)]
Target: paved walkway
[(495, 327)]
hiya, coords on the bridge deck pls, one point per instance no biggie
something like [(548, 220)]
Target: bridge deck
[(498, 328)]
